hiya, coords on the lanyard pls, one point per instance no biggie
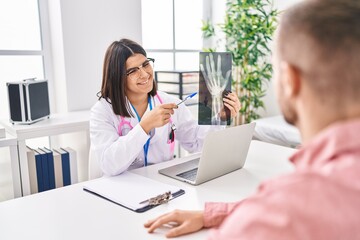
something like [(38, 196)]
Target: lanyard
[(146, 146), (124, 122)]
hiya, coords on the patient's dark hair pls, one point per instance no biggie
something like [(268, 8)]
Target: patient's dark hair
[(322, 39), (113, 87)]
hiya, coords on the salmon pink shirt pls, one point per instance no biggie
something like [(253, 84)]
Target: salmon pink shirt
[(320, 200)]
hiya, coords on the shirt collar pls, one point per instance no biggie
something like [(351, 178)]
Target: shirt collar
[(336, 139)]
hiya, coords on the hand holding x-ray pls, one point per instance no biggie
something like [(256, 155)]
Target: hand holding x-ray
[(216, 83)]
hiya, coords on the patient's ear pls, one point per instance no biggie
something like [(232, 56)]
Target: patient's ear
[(291, 79)]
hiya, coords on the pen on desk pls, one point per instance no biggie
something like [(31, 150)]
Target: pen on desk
[(188, 97)]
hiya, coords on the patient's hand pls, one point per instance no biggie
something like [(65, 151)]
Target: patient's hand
[(186, 222)]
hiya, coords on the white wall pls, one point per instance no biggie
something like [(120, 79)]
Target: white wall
[(270, 101), (81, 30)]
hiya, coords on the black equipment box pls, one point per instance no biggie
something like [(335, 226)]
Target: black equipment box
[(28, 101)]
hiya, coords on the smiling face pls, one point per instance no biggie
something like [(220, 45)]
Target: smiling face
[(144, 82)]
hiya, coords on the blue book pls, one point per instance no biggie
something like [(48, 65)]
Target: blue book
[(73, 165), (50, 161), (39, 171), (65, 161), (45, 169)]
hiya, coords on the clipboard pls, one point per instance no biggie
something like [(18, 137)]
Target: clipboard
[(133, 191)]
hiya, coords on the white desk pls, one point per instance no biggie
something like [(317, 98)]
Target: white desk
[(71, 213), (55, 125)]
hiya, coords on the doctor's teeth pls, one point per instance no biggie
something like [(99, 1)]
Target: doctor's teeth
[(143, 83)]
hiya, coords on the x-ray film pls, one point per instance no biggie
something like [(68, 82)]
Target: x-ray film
[(214, 84)]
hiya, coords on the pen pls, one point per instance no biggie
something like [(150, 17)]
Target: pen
[(188, 97)]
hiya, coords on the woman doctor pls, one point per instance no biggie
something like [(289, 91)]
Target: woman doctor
[(132, 124)]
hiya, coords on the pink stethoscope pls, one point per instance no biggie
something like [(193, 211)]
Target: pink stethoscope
[(123, 123)]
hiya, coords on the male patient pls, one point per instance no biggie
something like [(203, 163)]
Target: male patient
[(317, 74)]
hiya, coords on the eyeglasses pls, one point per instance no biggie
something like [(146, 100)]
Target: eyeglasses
[(147, 66)]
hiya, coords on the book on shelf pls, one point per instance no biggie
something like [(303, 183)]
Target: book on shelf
[(45, 169), (73, 165), (69, 165), (50, 164), (49, 169), (58, 170), (65, 162), (35, 170)]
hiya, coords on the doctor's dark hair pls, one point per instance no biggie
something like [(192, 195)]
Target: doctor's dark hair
[(114, 82)]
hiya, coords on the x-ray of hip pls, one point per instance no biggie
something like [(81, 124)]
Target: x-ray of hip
[(214, 83)]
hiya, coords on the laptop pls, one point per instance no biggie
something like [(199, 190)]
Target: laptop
[(224, 151)]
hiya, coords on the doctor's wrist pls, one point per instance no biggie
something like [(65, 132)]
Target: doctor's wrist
[(145, 126)]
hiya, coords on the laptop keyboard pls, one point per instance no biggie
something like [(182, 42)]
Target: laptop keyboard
[(189, 175)]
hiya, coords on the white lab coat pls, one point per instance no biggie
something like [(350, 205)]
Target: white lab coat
[(117, 154)]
